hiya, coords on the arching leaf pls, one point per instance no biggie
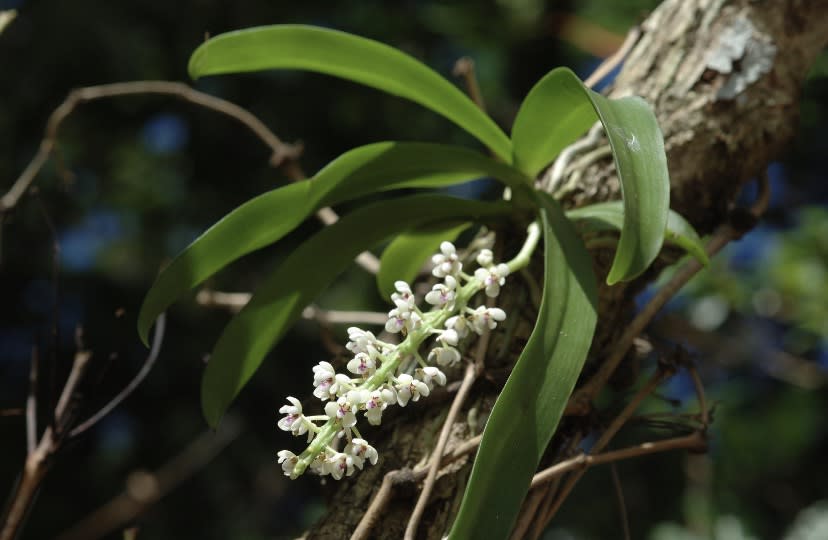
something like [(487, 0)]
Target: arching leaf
[(558, 110), (351, 57), (610, 216), (527, 412), (305, 273), (270, 216)]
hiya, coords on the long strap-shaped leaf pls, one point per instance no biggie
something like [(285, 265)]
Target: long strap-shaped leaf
[(304, 274), (527, 412), (351, 57), (610, 216), (558, 110), (270, 216)]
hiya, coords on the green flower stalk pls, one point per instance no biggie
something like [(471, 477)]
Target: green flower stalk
[(381, 374)]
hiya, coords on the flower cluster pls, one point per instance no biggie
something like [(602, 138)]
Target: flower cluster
[(382, 374)]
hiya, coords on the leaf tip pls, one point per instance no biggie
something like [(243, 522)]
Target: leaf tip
[(144, 326), (210, 406)]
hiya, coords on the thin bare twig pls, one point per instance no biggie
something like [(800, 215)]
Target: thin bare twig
[(541, 497), (380, 501), (75, 376), (55, 326), (694, 441), (282, 154), (622, 506), (149, 362), (434, 466), (697, 384), (614, 60), (401, 476), (15, 411), (236, 301), (464, 67), (473, 370), (31, 403), (608, 434), (280, 150), (38, 461)]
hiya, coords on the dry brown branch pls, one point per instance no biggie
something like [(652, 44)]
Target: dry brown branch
[(380, 501), (392, 478), (464, 67), (143, 489), (695, 442), (599, 445), (31, 403), (615, 59), (39, 456), (38, 461), (622, 506), (434, 463), (704, 417), (280, 150), (236, 301), (282, 154)]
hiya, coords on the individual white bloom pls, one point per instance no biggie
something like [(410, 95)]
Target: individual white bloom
[(449, 337), (341, 384), (358, 397), (361, 450), (294, 421), (403, 298), (323, 378), (445, 356), (378, 402), (483, 318), (485, 257), (446, 263), (395, 322), (431, 375), (399, 319), (443, 294), (288, 460), (319, 464), (362, 341), (492, 278), (459, 324), (362, 364), (341, 411), (409, 388), (339, 465)]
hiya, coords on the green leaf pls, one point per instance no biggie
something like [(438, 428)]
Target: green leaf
[(527, 412), (407, 253), (610, 216), (270, 216), (351, 57), (558, 109), (305, 273)]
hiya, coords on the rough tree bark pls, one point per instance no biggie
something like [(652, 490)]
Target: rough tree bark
[(724, 77)]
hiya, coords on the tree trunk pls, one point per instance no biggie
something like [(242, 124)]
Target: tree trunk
[(724, 77)]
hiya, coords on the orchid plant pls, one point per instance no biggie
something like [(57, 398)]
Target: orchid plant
[(557, 111)]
